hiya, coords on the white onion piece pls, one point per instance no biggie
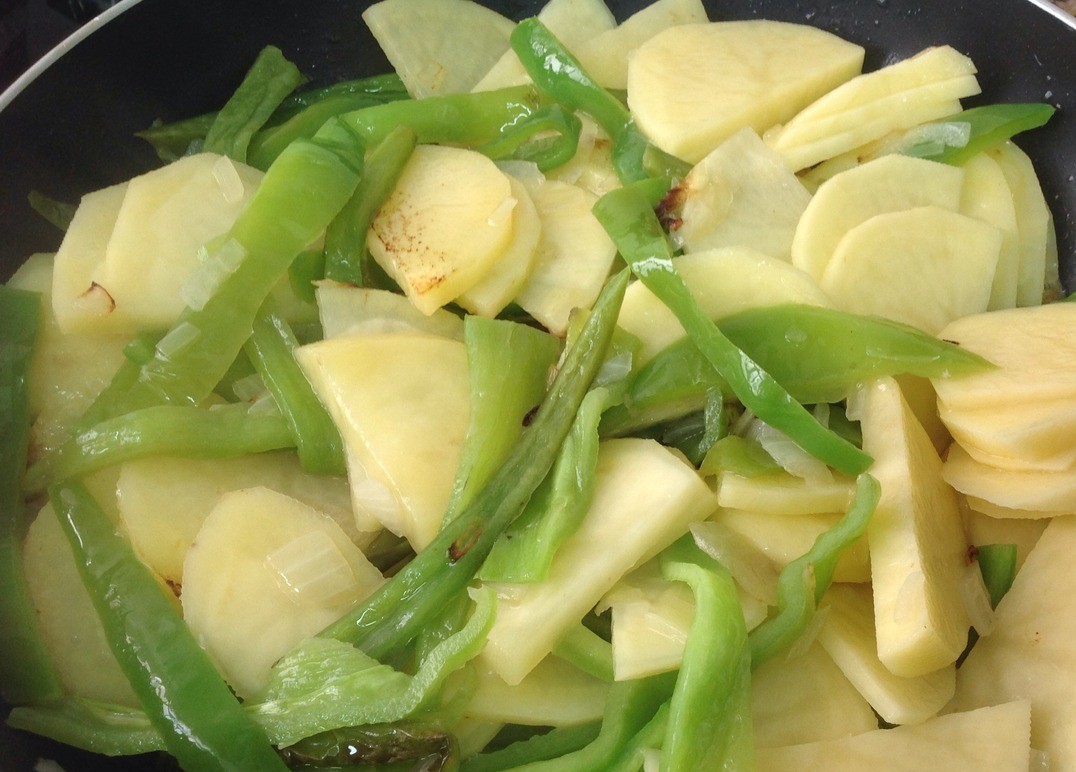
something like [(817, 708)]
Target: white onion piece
[(178, 338), (248, 388), (808, 636), (749, 566), (228, 180), (375, 499), (215, 268), (792, 458), (313, 571)]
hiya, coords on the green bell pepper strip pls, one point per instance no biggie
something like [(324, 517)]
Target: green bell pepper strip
[(390, 744), (270, 79), (317, 440), (347, 258), (172, 141), (202, 723), (739, 456), (298, 197), (990, 125), (997, 562), (559, 74), (546, 152), (457, 119), (92, 726), (508, 367), (632, 757), (225, 431), (629, 219), (386, 87), (558, 506), (394, 614), (55, 212), (26, 673), (588, 651), (542, 747), (710, 711), (805, 580)]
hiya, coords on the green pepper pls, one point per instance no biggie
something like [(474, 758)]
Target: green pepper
[(805, 580), (540, 747), (588, 651), (559, 74), (270, 79), (997, 562), (559, 140), (709, 725), (629, 219), (201, 721), (393, 615), (26, 674), (317, 440), (989, 125), (347, 258), (92, 726)]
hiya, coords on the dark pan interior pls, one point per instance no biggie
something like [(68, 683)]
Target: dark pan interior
[(71, 130)]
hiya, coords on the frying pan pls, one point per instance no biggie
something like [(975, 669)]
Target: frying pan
[(67, 127)]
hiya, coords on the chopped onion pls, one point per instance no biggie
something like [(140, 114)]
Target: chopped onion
[(651, 760), (526, 172), (977, 600), (614, 369), (228, 180), (808, 636), (312, 571), (215, 268), (376, 500), (177, 339), (749, 566), (794, 459), (249, 388), (502, 213)]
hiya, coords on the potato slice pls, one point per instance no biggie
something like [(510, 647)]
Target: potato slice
[(805, 698), (1034, 227), (444, 225), (403, 429), (573, 22), (918, 550), (723, 281), (1032, 436), (605, 57), (1033, 349), (70, 628), (692, 87), (645, 497), (438, 46), (987, 197), (888, 184), (510, 272), (993, 739), (985, 529), (847, 635), (348, 310), (1051, 493), (555, 693), (784, 494), (783, 538), (741, 194), (164, 501), (573, 256), (922, 88), (264, 573), (1029, 653), (924, 267)]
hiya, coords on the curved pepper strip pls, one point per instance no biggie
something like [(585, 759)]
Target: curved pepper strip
[(989, 125), (393, 615), (805, 580), (203, 725), (627, 216), (710, 712), (26, 674)]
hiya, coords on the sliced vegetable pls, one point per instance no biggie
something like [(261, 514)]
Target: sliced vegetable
[(998, 565), (988, 125)]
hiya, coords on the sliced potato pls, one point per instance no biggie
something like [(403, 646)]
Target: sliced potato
[(992, 739), (164, 501), (918, 550), (1051, 493), (606, 56), (693, 86), (438, 46), (847, 635), (511, 270), (723, 281), (70, 628), (403, 429), (888, 184), (1033, 349), (645, 497), (1034, 227), (1033, 436), (783, 538), (555, 693), (573, 256), (784, 494), (805, 698), (348, 310), (741, 194), (1028, 655), (264, 573), (573, 22), (922, 88), (444, 225), (924, 267), (987, 197)]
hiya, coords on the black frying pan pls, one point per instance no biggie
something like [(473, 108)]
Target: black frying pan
[(71, 129)]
